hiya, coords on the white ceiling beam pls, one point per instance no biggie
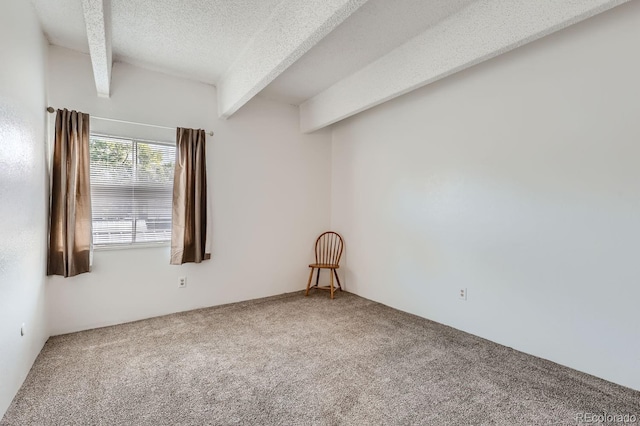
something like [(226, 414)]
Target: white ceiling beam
[(481, 31), (97, 18), (294, 28)]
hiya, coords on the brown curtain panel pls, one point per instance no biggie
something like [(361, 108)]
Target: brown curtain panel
[(70, 217), (189, 232)]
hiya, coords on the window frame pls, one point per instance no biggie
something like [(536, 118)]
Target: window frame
[(132, 244)]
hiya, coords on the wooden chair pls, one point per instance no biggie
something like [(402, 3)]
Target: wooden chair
[(329, 247)]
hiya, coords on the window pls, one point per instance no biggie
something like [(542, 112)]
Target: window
[(131, 191)]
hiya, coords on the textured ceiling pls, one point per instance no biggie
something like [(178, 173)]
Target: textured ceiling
[(198, 39), (63, 23), (334, 58), (375, 29)]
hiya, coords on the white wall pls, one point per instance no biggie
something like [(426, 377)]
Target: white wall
[(519, 180), (23, 189), (270, 187)]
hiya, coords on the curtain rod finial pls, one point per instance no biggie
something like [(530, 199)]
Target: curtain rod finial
[(50, 109)]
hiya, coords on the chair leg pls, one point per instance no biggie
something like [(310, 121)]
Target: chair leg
[(338, 279), (331, 285), (318, 276), (309, 282)]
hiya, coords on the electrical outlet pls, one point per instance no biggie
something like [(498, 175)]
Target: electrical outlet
[(182, 282), (462, 294)]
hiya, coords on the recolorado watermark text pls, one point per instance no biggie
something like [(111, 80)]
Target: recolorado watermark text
[(604, 417)]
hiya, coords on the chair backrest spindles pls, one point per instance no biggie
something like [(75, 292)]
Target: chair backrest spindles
[(329, 247)]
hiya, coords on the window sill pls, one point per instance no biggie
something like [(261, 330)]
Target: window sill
[(132, 246)]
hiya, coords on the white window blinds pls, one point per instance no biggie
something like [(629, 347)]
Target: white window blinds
[(131, 191)]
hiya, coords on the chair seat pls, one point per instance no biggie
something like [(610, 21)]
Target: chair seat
[(324, 265)]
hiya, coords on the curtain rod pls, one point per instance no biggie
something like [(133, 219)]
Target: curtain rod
[(52, 110)]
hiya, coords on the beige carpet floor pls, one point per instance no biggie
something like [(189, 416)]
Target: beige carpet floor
[(291, 360)]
